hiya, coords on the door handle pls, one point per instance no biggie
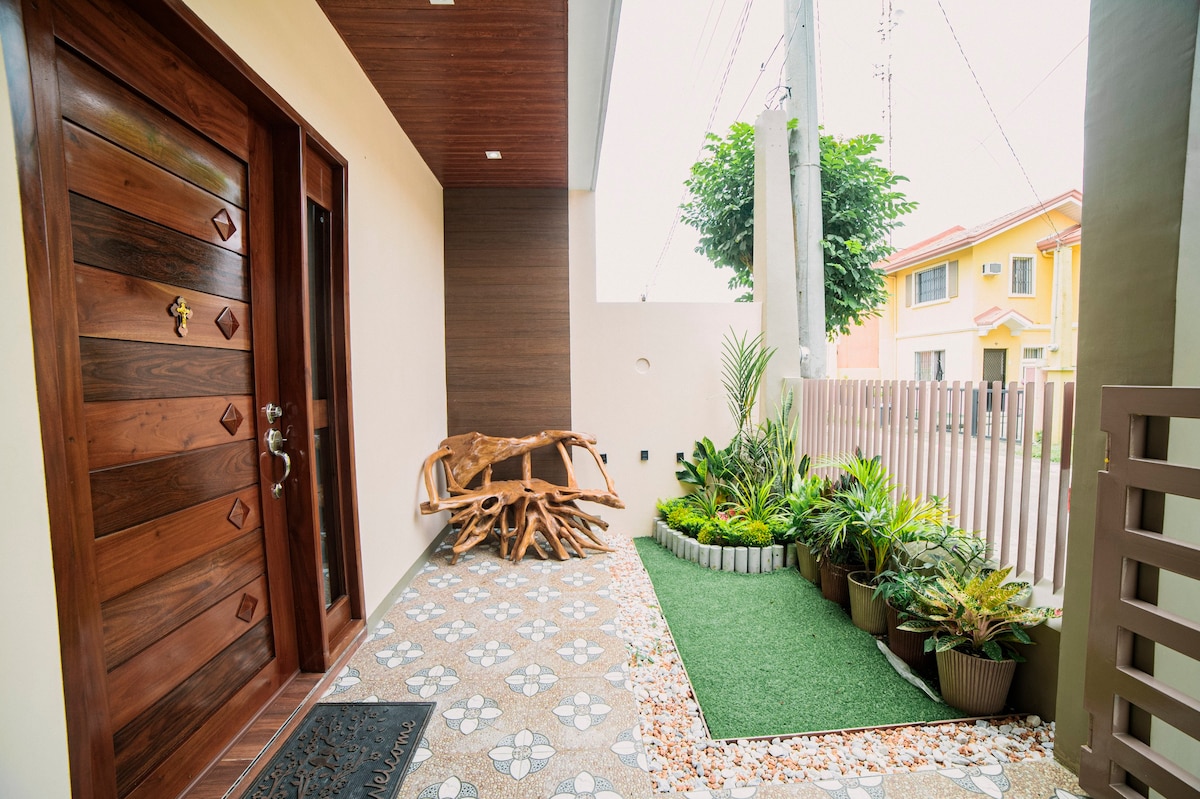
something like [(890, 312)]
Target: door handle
[(275, 442)]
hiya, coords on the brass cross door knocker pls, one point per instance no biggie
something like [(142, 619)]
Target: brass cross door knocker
[(182, 313)]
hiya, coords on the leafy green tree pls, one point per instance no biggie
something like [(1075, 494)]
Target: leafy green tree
[(860, 206)]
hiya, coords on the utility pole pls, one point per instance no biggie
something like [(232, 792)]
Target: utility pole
[(805, 148)]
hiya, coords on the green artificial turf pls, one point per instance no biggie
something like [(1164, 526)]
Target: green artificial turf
[(768, 655)]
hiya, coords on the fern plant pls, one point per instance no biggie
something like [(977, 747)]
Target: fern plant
[(974, 613)]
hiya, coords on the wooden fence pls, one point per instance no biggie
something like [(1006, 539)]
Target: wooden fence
[(972, 444)]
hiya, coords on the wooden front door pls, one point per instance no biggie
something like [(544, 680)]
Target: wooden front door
[(170, 528)]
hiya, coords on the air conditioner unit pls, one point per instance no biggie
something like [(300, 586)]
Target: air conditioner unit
[(993, 268)]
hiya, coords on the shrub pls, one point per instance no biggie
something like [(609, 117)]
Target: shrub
[(665, 506), (710, 533), (676, 516), (781, 530), (691, 523), (749, 534), (757, 534)]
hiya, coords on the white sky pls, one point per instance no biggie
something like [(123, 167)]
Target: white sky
[(1029, 55)]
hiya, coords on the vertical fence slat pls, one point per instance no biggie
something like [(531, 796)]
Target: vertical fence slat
[(905, 439), (939, 486), (873, 419), (979, 422), (1010, 444), (843, 427), (1026, 477), (1064, 485), (826, 420), (967, 442), (857, 391), (995, 391), (1039, 557), (889, 400), (952, 500), (919, 420)]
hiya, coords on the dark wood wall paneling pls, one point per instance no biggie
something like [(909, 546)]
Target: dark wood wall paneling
[(508, 331), (478, 75)]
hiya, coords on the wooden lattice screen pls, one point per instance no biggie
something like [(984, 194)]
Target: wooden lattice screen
[(1120, 690)]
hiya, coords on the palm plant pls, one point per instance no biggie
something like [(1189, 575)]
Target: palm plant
[(857, 499), (743, 363), (756, 502), (881, 529), (974, 613), (708, 502)]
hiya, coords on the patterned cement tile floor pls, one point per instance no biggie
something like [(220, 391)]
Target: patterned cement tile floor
[(534, 698)]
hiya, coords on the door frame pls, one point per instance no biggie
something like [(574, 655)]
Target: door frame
[(27, 38)]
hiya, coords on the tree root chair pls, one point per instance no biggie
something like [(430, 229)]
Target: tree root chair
[(515, 511)]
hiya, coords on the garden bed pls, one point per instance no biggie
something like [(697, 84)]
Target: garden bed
[(770, 657)]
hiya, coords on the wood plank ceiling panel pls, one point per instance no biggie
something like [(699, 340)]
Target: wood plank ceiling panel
[(464, 78)]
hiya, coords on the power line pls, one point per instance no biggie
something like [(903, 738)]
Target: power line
[(743, 19), (992, 110), (763, 68), (1044, 78)]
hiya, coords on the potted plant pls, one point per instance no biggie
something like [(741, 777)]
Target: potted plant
[(974, 625), (913, 562), (859, 495), (802, 499)]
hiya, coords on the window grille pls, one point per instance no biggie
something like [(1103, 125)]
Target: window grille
[(931, 284), (1022, 275)]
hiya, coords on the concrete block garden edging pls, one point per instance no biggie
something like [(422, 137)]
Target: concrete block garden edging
[(745, 560)]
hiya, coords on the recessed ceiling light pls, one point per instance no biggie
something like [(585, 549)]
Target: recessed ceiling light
[(492, 155), (441, 2)]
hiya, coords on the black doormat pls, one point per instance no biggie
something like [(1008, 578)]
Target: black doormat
[(349, 750)]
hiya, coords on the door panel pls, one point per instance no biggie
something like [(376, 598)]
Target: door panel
[(125, 46), (139, 554), (145, 678), (112, 305), (123, 496), (148, 190), (143, 744), (124, 370), (92, 101), (119, 242), (139, 617), (123, 432)]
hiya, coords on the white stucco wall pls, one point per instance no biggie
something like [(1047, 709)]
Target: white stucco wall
[(664, 408), (396, 267), (398, 361), (33, 752)]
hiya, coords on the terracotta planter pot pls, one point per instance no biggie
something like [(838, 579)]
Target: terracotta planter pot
[(807, 563), (867, 612), (835, 585), (908, 646), (976, 686)]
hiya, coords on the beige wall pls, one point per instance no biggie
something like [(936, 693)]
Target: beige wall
[(398, 361), (396, 263), (663, 409), (33, 737)]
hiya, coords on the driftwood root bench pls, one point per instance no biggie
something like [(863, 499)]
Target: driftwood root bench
[(517, 511)]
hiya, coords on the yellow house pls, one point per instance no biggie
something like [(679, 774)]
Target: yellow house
[(998, 301)]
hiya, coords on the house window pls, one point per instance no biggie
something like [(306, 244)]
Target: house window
[(1032, 353), (1022, 275), (931, 284), (930, 365)]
